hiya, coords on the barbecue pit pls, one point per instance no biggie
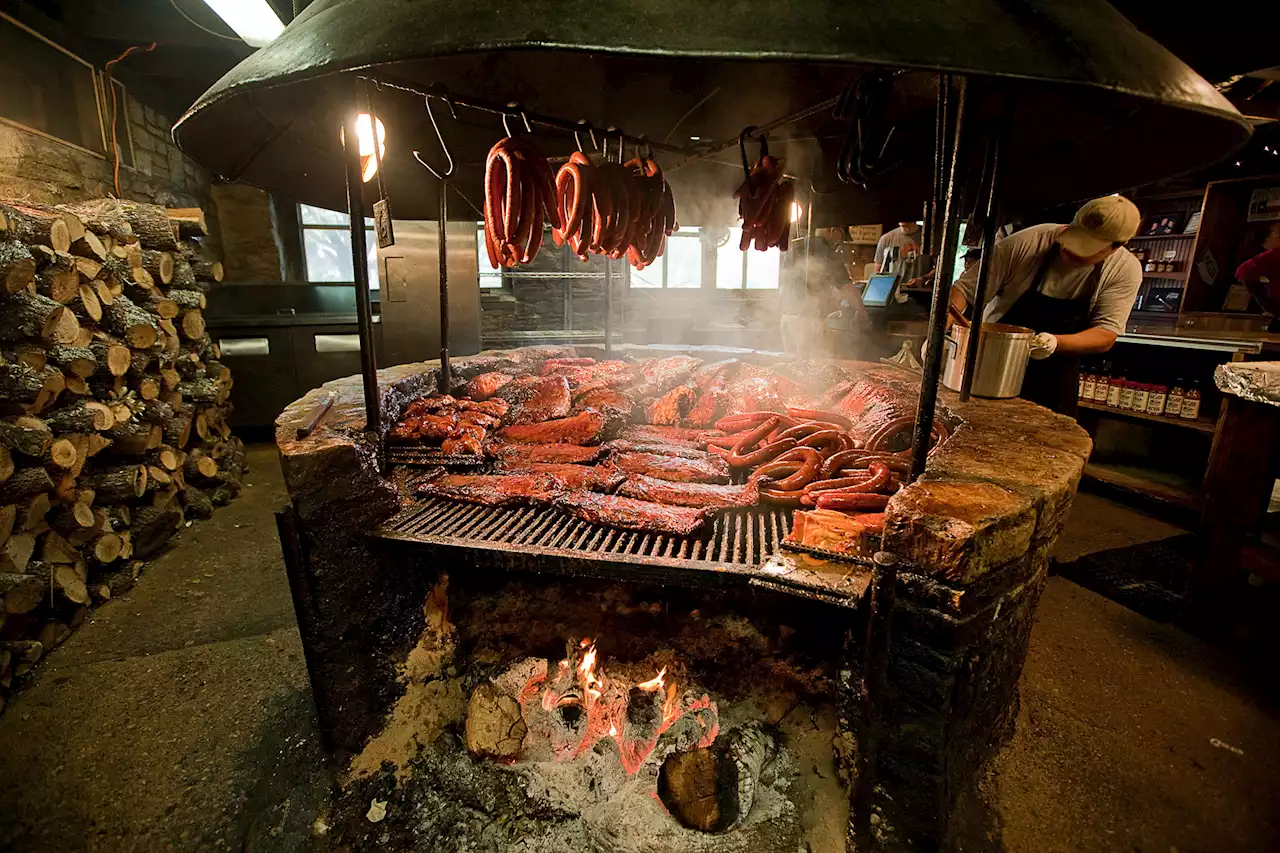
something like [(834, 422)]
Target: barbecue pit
[(430, 625)]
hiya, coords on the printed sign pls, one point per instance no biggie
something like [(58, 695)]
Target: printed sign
[(1264, 205)]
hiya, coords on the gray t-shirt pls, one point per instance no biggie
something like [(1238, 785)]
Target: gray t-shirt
[(897, 237), (1017, 259)]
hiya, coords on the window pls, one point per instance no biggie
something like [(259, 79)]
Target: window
[(48, 89), (749, 270), (679, 267), (326, 245), (489, 277)]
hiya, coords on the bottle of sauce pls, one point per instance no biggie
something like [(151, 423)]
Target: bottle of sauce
[(1114, 390), (1173, 405), (1191, 403), (1126, 394), (1088, 384), (1102, 382), (1155, 402), (1141, 396)]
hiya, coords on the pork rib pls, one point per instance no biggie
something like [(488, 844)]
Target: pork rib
[(563, 454), (659, 448), (573, 477), (672, 407), (670, 435), (535, 399), (583, 428), (703, 495), (672, 468), (631, 514), (494, 489), (485, 385)]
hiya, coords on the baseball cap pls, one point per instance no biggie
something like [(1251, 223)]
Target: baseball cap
[(1099, 224)]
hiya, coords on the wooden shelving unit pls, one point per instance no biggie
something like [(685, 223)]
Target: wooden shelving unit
[(1204, 425), (1170, 490)]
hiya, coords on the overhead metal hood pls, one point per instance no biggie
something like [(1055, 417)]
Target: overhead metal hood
[(1097, 106)]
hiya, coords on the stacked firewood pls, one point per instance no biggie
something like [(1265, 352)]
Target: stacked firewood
[(113, 407)]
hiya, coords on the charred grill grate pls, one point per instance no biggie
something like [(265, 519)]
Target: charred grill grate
[(739, 546), (741, 537)]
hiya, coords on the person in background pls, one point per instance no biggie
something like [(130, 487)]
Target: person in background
[(804, 301), (1261, 273), (907, 238), (971, 258), (1074, 285)]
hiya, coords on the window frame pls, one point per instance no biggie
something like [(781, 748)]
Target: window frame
[(375, 283), (97, 95)]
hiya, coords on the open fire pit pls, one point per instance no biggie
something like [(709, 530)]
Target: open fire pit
[(521, 678)]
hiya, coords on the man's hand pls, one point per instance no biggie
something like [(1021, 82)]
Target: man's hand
[(1043, 345)]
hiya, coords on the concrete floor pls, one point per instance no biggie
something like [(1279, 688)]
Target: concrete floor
[(179, 718)]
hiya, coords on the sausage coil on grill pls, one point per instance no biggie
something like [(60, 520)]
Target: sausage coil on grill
[(519, 198)]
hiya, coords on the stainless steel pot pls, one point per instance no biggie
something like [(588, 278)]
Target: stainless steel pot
[(1003, 352)]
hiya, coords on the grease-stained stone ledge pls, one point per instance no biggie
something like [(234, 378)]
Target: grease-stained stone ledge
[(959, 531), (1002, 483)]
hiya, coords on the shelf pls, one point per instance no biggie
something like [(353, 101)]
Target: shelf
[(1204, 425), (1158, 486), (1180, 276), (1190, 236)]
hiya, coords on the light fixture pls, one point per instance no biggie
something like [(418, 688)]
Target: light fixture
[(253, 20), (796, 211), (364, 132)]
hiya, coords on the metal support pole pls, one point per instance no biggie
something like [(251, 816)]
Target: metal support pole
[(932, 207), (360, 265), (442, 247), (945, 267), (608, 306), (873, 676), (990, 192)]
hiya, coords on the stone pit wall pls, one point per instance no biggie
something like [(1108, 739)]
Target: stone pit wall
[(973, 537)]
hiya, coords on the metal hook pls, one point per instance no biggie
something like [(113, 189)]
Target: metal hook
[(586, 127), (448, 156), (515, 111), (612, 130)]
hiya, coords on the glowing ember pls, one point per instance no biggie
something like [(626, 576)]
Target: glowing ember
[(587, 705)]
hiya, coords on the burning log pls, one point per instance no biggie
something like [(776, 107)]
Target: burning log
[(713, 789)]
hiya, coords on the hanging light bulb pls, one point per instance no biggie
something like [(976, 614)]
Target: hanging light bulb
[(364, 133), (796, 211)]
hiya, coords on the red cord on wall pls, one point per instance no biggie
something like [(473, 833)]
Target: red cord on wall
[(115, 149)]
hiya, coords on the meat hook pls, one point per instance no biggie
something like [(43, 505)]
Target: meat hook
[(448, 156)]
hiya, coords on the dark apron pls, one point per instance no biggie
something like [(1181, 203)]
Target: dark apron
[(1053, 382)]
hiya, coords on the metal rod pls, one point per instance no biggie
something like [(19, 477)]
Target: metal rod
[(939, 164), (608, 305), (938, 312), (509, 109), (990, 193), (442, 247), (360, 265)]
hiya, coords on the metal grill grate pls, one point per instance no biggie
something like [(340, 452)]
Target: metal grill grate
[(740, 546), (740, 537)]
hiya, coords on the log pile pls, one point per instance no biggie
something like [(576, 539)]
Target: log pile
[(113, 407)]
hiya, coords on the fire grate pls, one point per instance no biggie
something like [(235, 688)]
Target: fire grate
[(739, 548)]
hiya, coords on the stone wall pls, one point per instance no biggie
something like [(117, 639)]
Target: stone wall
[(46, 171), (43, 170)]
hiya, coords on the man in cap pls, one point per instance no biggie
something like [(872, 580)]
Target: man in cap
[(1074, 285)]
